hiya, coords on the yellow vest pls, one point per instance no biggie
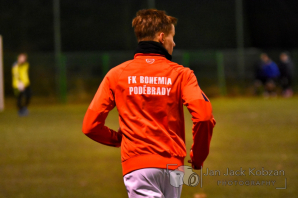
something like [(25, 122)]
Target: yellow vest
[(20, 74)]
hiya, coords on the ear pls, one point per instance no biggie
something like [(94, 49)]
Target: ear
[(161, 38)]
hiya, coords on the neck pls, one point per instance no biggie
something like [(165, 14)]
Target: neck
[(152, 47)]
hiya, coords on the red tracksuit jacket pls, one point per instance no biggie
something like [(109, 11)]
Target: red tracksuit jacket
[(149, 93)]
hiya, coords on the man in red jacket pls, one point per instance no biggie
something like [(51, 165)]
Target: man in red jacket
[(149, 93)]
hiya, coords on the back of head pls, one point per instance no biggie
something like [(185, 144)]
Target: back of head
[(285, 57), (22, 58), (264, 57), (149, 22)]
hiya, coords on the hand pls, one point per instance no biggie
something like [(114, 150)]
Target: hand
[(193, 166), (21, 86), (190, 161), (213, 121)]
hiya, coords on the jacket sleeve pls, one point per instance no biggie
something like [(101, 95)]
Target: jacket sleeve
[(15, 78), (203, 122), (94, 120), (25, 75)]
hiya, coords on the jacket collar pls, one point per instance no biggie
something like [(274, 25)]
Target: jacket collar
[(152, 48)]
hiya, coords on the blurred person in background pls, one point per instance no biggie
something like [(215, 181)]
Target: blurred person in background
[(286, 69), (21, 83), (266, 76), (149, 93)]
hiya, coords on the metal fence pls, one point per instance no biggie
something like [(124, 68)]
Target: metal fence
[(217, 71)]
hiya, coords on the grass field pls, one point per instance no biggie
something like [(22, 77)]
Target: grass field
[(47, 155)]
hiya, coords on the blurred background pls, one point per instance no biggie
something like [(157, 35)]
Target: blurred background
[(71, 45), (219, 39)]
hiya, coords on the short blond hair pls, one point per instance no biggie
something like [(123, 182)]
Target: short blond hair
[(149, 22)]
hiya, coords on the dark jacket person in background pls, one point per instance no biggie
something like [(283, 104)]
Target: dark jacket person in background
[(266, 75), (286, 69)]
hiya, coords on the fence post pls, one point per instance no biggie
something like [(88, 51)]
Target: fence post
[(185, 59), (151, 3), (240, 37), (62, 79), (105, 63), (221, 73), (295, 61), (1, 76)]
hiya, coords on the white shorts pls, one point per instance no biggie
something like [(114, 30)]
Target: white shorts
[(150, 183)]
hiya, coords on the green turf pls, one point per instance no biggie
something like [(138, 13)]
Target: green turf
[(47, 155)]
